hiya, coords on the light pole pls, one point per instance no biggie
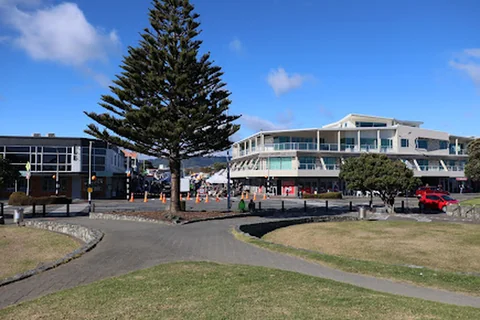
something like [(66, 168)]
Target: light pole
[(228, 181), (57, 180), (90, 176)]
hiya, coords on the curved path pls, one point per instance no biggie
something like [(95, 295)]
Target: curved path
[(129, 246)]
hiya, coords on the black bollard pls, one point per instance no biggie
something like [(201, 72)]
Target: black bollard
[(283, 205), (403, 206), (351, 206), (305, 206), (68, 210), (33, 210), (259, 206), (44, 210), (1, 209), (326, 205)]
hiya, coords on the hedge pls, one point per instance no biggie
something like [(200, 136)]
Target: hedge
[(326, 195), (21, 199)]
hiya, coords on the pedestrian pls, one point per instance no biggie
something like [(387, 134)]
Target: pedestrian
[(251, 206), (241, 205)]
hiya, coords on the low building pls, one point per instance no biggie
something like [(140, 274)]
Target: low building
[(310, 159), (69, 157)]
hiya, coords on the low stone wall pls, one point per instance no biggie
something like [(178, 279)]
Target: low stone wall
[(90, 238), (464, 212), (107, 216), (260, 229)]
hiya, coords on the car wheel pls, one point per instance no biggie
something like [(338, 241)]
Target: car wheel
[(421, 206), (444, 208)]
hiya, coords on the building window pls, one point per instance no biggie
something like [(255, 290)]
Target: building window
[(405, 143), (361, 124), (443, 145), (387, 143), (48, 184), (330, 163), (423, 164), (280, 163), (422, 144), (307, 163)]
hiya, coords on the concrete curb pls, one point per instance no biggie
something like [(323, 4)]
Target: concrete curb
[(90, 237), (108, 216)]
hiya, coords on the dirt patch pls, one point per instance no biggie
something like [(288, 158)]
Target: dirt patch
[(184, 216)]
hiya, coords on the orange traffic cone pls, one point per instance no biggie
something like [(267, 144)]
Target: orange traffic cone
[(255, 196), (265, 196), (206, 199), (164, 199), (131, 197), (188, 196), (246, 195), (217, 199), (145, 198), (161, 197), (242, 196), (197, 199)]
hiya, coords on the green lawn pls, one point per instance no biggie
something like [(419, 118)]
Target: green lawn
[(23, 249), (383, 249), (212, 291), (470, 202)]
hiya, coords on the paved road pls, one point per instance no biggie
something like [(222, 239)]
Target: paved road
[(129, 246)]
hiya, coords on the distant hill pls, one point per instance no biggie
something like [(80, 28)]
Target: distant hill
[(191, 163)]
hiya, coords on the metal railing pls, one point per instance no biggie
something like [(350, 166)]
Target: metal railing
[(290, 146), (431, 168), (460, 152), (456, 168), (348, 147), (368, 147)]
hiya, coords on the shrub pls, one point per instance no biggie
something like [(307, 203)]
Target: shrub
[(327, 195), (19, 199)]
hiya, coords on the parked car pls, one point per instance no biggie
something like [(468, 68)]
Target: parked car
[(424, 190), (435, 201)]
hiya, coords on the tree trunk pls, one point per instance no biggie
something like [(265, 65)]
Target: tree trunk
[(174, 185)]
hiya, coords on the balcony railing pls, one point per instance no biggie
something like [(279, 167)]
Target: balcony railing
[(460, 152), (368, 147), (329, 146), (348, 147), (431, 168), (456, 168)]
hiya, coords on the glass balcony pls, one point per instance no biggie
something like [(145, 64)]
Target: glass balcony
[(329, 146), (460, 151), (368, 147), (308, 166), (332, 167), (386, 149), (431, 168), (456, 168), (290, 146), (349, 147)]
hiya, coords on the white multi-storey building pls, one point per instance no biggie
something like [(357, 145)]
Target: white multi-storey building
[(310, 159)]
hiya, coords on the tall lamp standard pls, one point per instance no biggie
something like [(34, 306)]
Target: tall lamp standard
[(57, 180), (229, 205), (90, 176)]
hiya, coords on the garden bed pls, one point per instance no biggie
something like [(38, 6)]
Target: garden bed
[(179, 217)]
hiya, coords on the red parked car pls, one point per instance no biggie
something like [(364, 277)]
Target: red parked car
[(424, 190), (436, 201)]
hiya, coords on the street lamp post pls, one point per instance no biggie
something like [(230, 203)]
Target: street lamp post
[(228, 182), (90, 176), (57, 180)]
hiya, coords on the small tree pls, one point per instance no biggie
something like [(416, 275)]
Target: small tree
[(169, 101), (376, 172), (8, 173), (217, 166), (472, 169)]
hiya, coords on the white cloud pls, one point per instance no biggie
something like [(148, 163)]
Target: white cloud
[(286, 118), (281, 82), (4, 39), (258, 124), (236, 46), (469, 62), (59, 33)]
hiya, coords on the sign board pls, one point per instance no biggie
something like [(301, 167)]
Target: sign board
[(462, 179), (28, 166), (28, 175), (90, 190)]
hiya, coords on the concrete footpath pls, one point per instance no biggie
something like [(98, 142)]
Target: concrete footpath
[(129, 246)]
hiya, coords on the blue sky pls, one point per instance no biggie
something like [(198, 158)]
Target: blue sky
[(288, 64)]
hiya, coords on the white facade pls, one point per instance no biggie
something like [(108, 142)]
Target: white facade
[(318, 153)]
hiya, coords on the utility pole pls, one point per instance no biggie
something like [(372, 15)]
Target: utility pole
[(128, 177), (90, 176)]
